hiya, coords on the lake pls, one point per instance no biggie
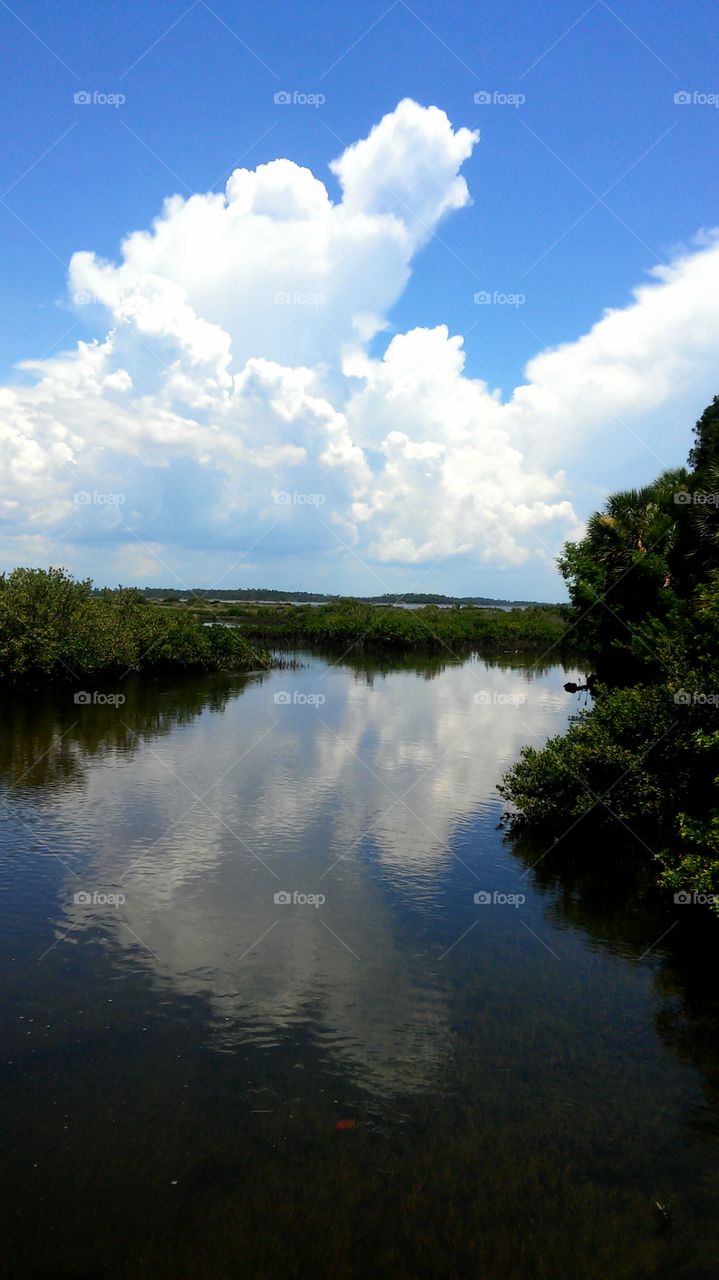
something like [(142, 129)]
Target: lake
[(281, 999)]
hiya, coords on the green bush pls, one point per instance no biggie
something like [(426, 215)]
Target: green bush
[(627, 760), (642, 767), (52, 627)]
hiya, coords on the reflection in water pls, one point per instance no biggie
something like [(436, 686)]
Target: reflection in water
[(621, 912), (48, 737), (356, 798), (515, 1060)]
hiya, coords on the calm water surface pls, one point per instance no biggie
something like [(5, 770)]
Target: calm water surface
[(380, 1076)]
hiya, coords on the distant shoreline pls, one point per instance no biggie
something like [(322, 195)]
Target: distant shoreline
[(268, 596), (381, 624)]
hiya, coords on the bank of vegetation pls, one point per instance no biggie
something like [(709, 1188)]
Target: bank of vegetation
[(539, 628), (638, 773), (53, 628)]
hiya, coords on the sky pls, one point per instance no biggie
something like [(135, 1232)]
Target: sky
[(353, 298)]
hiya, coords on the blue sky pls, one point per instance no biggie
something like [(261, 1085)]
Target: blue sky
[(576, 195)]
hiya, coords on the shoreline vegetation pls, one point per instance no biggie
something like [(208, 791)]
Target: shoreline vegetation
[(636, 777), (361, 624), (56, 629), (53, 628)]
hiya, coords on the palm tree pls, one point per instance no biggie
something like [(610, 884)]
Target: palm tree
[(637, 523)]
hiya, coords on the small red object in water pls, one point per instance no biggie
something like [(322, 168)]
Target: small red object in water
[(343, 1125)]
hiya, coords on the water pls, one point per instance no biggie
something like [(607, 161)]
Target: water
[(516, 1082)]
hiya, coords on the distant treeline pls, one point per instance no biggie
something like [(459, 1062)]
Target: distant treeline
[(270, 594)]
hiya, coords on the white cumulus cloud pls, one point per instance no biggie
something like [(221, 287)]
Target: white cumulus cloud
[(233, 404)]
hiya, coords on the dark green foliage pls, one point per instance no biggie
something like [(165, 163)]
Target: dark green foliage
[(52, 627), (643, 765), (635, 758), (705, 451), (631, 566), (430, 628)]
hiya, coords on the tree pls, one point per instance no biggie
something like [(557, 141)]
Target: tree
[(644, 586), (629, 566), (705, 450)]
